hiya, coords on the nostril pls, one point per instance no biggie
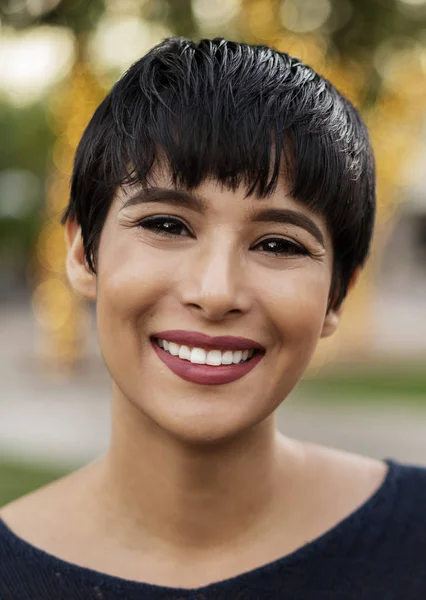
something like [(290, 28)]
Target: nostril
[(193, 305)]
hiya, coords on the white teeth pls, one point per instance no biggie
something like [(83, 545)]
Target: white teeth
[(184, 352), (236, 357), (173, 349), (227, 358), (214, 357), (199, 356)]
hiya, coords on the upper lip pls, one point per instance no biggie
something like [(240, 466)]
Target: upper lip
[(201, 340)]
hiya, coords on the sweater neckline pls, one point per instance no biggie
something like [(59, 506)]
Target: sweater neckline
[(341, 536)]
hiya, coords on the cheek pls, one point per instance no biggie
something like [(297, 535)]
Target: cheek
[(296, 301), (132, 281)]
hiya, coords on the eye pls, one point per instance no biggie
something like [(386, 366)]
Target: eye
[(281, 247), (165, 225)]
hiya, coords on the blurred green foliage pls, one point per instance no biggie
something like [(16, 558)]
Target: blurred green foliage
[(405, 381), (26, 142), (79, 15), (17, 478), (374, 21), (26, 137)]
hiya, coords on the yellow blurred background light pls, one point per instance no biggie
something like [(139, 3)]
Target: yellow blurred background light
[(302, 16), (56, 318), (120, 40), (32, 61), (215, 12)]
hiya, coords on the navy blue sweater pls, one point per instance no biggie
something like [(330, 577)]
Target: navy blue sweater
[(376, 553)]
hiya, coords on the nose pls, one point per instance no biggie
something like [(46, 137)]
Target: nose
[(216, 284)]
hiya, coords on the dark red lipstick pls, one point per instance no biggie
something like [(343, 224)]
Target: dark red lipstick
[(207, 374)]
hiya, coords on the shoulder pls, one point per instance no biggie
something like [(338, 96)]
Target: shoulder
[(28, 513), (342, 477), (380, 491), (382, 508), (48, 516)]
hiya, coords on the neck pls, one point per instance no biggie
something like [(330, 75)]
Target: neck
[(183, 495)]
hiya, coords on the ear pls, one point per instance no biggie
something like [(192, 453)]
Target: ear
[(333, 316), (80, 277)]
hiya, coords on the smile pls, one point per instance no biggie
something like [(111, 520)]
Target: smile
[(201, 356), (206, 366)]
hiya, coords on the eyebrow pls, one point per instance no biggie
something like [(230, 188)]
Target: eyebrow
[(292, 217), (176, 197), (186, 199)]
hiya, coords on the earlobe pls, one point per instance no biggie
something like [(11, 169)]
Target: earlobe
[(80, 277), (333, 316), (331, 321)]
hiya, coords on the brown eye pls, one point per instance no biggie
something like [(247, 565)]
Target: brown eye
[(165, 225), (282, 247)]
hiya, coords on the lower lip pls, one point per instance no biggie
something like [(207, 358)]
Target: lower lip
[(206, 374)]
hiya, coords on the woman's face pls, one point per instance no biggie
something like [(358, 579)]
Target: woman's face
[(214, 262)]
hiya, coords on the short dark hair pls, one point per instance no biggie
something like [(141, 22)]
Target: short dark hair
[(238, 113)]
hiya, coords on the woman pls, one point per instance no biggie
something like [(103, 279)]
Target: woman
[(222, 205)]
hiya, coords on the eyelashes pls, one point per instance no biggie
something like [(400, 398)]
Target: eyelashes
[(171, 227), (282, 247), (164, 225)]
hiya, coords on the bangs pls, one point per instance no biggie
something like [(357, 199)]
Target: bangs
[(194, 113)]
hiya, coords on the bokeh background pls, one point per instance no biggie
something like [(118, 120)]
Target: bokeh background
[(366, 390)]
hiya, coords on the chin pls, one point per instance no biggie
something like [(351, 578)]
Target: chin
[(205, 434), (206, 416), (205, 427)]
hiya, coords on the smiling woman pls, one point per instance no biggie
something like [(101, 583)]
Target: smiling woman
[(222, 205)]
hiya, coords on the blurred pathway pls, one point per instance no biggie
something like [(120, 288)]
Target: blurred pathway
[(68, 422)]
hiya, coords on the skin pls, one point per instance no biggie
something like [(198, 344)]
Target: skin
[(198, 476)]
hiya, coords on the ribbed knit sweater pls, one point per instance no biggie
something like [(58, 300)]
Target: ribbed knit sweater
[(376, 553)]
